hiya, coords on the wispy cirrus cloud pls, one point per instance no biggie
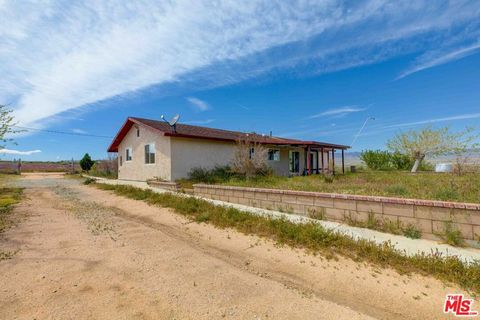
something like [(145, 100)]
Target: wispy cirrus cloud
[(198, 104), (435, 120), (340, 111), (63, 55), (438, 58), (18, 152), (199, 122), (79, 131)]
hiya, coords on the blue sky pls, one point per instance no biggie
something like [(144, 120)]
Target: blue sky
[(310, 70)]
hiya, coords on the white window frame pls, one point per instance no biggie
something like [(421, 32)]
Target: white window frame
[(151, 146), (276, 154), (128, 152)]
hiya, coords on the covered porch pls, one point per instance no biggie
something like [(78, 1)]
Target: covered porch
[(323, 159), (309, 158)]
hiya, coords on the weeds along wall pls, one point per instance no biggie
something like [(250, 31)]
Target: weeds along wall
[(435, 220)]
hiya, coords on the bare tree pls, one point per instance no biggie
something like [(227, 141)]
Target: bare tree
[(250, 157), (106, 167), (431, 142)]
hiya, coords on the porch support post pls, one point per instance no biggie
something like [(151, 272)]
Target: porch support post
[(309, 165), (333, 161), (343, 161), (323, 169), (328, 161), (318, 162)]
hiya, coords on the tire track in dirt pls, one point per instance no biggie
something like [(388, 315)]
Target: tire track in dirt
[(160, 265)]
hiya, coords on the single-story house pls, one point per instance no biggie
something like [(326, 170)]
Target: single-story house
[(149, 149)]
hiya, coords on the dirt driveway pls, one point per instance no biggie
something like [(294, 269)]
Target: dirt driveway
[(83, 253)]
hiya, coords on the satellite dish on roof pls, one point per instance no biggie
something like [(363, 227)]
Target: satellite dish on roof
[(173, 122)]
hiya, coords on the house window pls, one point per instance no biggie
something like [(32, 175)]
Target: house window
[(128, 154), (150, 153), (138, 132), (251, 153), (274, 155), (121, 160)]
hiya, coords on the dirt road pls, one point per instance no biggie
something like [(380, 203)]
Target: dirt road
[(83, 253)]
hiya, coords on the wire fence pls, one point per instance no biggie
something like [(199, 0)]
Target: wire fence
[(18, 166)]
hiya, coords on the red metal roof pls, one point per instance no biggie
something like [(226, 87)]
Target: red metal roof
[(196, 132)]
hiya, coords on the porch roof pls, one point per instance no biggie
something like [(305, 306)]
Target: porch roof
[(196, 132)]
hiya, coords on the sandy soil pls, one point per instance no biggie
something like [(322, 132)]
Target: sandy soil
[(84, 253)]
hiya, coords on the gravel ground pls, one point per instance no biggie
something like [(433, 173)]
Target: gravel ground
[(84, 253)]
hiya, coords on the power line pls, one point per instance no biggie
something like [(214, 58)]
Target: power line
[(63, 132)]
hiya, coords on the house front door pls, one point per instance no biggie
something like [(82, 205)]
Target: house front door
[(294, 161)]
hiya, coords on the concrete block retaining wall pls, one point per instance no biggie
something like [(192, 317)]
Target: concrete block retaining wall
[(167, 185), (430, 217)]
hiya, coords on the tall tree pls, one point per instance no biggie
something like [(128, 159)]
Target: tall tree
[(431, 142), (6, 123)]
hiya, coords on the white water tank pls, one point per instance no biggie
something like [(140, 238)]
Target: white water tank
[(443, 167)]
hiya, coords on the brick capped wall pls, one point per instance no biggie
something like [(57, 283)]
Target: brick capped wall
[(429, 217), (171, 186)]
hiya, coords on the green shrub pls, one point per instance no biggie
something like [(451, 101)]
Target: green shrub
[(89, 181), (384, 160), (86, 163), (412, 232), (397, 190), (376, 159), (447, 194), (401, 161), (215, 175), (452, 236), (328, 178)]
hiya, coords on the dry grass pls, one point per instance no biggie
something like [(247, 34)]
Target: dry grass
[(8, 197), (312, 237), (98, 218), (425, 185)]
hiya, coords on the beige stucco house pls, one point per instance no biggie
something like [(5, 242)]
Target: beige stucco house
[(149, 149)]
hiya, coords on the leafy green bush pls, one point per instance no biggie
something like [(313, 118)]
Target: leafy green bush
[(401, 161), (376, 159), (385, 160), (217, 174)]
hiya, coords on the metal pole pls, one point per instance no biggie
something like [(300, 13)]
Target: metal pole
[(343, 161), (361, 129)]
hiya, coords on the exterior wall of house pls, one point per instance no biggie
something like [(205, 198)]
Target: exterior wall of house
[(193, 153), (175, 157), (280, 167), (137, 169)]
